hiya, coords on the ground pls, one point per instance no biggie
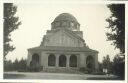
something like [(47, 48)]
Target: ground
[(56, 76)]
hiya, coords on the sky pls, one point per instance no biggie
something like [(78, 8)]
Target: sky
[(36, 19)]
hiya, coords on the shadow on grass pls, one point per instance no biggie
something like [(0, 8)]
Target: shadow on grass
[(13, 76)]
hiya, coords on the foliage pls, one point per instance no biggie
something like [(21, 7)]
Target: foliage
[(119, 66), (8, 65), (34, 66), (117, 35), (107, 64), (11, 23), (100, 65), (117, 26), (116, 67), (86, 70), (20, 65)]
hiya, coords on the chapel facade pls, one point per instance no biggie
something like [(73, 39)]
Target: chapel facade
[(63, 47)]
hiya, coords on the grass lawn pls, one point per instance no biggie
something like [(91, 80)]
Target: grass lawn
[(57, 76)]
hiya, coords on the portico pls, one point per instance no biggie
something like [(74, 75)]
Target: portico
[(62, 60)]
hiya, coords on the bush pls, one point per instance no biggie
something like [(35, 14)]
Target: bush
[(22, 70), (85, 70), (34, 69), (119, 66), (98, 73)]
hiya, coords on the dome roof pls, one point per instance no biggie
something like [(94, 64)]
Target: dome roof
[(66, 16)]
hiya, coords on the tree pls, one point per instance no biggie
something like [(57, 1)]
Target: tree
[(107, 64), (16, 64), (8, 65), (22, 64), (11, 23), (117, 35), (119, 66), (117, 26)]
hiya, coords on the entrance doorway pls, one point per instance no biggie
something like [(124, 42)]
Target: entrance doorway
[(62, 61), (73, 61), (51, 60)]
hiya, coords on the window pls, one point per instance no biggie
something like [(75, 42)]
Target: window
[(73, 61), (62, 61), (51, 60)]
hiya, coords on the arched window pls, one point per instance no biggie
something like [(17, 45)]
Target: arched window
[(62, 61), (73, 61), (35, 57), (90, 62), (51, 60)]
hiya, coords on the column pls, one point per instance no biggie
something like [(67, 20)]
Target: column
[(68, 58), (85, 64), (78, 60), (57, 60), (46, 60), (96, 61), (39, 59), (82, 60), (29, 58)]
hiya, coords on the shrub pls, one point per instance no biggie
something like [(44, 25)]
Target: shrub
[(98, 73), (85, 70)]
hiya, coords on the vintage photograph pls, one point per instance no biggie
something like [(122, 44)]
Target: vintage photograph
[(65, 41), (19, 82)]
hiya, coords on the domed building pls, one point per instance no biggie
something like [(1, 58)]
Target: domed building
[(63, 47)]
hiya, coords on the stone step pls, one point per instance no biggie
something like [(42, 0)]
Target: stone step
[(61, 70)]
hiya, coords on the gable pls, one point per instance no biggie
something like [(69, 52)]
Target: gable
[(63, 38)]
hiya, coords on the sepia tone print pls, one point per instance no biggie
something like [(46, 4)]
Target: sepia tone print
[(75, 46)]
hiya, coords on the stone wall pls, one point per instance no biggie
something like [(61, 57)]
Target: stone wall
[(62, 38)]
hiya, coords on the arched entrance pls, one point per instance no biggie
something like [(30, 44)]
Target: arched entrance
[(62, 61), (90, 62), (35, 61), (73, 61), (51, 60)]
